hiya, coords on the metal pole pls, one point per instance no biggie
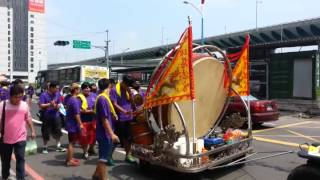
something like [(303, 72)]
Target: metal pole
[(257, 3), (11, 69), (256, 15), (202, 35), (121, 59), (107, 50)]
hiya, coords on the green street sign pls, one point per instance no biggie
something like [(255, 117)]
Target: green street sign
[(81, 44)]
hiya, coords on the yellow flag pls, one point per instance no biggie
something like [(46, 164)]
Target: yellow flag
[(240, 73), (176, 82)]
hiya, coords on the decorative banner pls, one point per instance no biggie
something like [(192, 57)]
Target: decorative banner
[(36, 6), (240, 73), (176, 82)]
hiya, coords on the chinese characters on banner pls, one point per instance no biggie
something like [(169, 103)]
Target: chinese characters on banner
[(240, 73), (177, 81)]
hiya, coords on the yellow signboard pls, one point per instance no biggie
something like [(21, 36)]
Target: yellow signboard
[(94, 73)]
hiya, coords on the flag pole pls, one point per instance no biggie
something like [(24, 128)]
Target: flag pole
[(192, 88), (249, 111)]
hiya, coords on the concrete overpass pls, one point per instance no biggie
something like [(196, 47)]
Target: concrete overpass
[(298, 33)]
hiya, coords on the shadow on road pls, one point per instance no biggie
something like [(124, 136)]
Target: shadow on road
[(160, 173)]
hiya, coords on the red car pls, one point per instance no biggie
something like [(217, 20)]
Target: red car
[(261, 110)]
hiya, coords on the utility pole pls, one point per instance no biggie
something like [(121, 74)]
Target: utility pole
[(257, 3), (107, 50), (11, 69)]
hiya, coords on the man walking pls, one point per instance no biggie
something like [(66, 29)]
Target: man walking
[(15, 115), (50, 103)]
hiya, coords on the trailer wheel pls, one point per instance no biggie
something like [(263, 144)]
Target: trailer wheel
[(304, 172)]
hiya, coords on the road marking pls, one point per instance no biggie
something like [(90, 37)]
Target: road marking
[(12, 173), (281, 127), (276, 141), (39, 122), (302, 135), (65, 132), (282, 135), (30, 171), (306, 127), (272, 124)]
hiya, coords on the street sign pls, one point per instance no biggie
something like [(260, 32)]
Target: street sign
[(81, 44)]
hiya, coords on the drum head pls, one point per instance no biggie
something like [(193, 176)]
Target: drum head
[(210, 98)]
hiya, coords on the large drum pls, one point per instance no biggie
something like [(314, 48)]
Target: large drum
[(211, 96), (141, 133)]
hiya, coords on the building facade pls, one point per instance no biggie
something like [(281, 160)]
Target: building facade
[(22, 39)]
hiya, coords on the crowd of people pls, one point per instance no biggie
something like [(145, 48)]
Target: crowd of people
[(89, 114)]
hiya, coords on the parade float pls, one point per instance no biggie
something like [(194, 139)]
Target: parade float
[(184, 108)]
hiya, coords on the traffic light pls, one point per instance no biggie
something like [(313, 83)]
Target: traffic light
[(61, 43)]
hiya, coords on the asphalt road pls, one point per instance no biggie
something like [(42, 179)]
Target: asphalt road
[(282, 135)]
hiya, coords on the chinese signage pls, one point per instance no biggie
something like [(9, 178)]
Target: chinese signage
[(93, 74), (36, 6), (81, 44)]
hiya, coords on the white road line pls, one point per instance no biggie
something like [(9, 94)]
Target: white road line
[(119, 150), (12, 173), (39, 122)]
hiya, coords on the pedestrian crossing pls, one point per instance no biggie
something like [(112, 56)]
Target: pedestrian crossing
[(12, 173)]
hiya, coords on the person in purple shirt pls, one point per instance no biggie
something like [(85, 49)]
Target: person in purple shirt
[(4, 93), (88, 140), (49, 103), (73, 123), (94, 89), (104, 133), (30, 93), (121, 98)]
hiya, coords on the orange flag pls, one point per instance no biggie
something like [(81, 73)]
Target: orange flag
[(240, 73), (176, 82)]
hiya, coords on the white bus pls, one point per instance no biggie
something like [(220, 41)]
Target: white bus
[(67, 75)]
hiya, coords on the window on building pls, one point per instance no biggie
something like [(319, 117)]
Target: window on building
[(31, 35), (8, 45), (31, 53), (31, 70), (9, 32), (31, 59), (32, 22), (9, 39), (9, 58), (8, 19), (31, 41), (8, 65), (31, 29), (31, 47), (31, 15), (8, 13), (9, 26), (8, 70), (31, 65), (9, 51)]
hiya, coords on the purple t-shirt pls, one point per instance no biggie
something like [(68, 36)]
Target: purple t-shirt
[(123, 102), (4, 94), (30, 91), (73, 109), (46, 98), (102, 112), (90, 101)]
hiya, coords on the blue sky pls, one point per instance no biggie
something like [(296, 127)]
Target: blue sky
[(138, 24)]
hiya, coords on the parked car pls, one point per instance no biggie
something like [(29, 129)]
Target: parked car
[(261, 110)]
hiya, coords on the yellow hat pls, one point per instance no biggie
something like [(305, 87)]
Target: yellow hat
[(75, 86)]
